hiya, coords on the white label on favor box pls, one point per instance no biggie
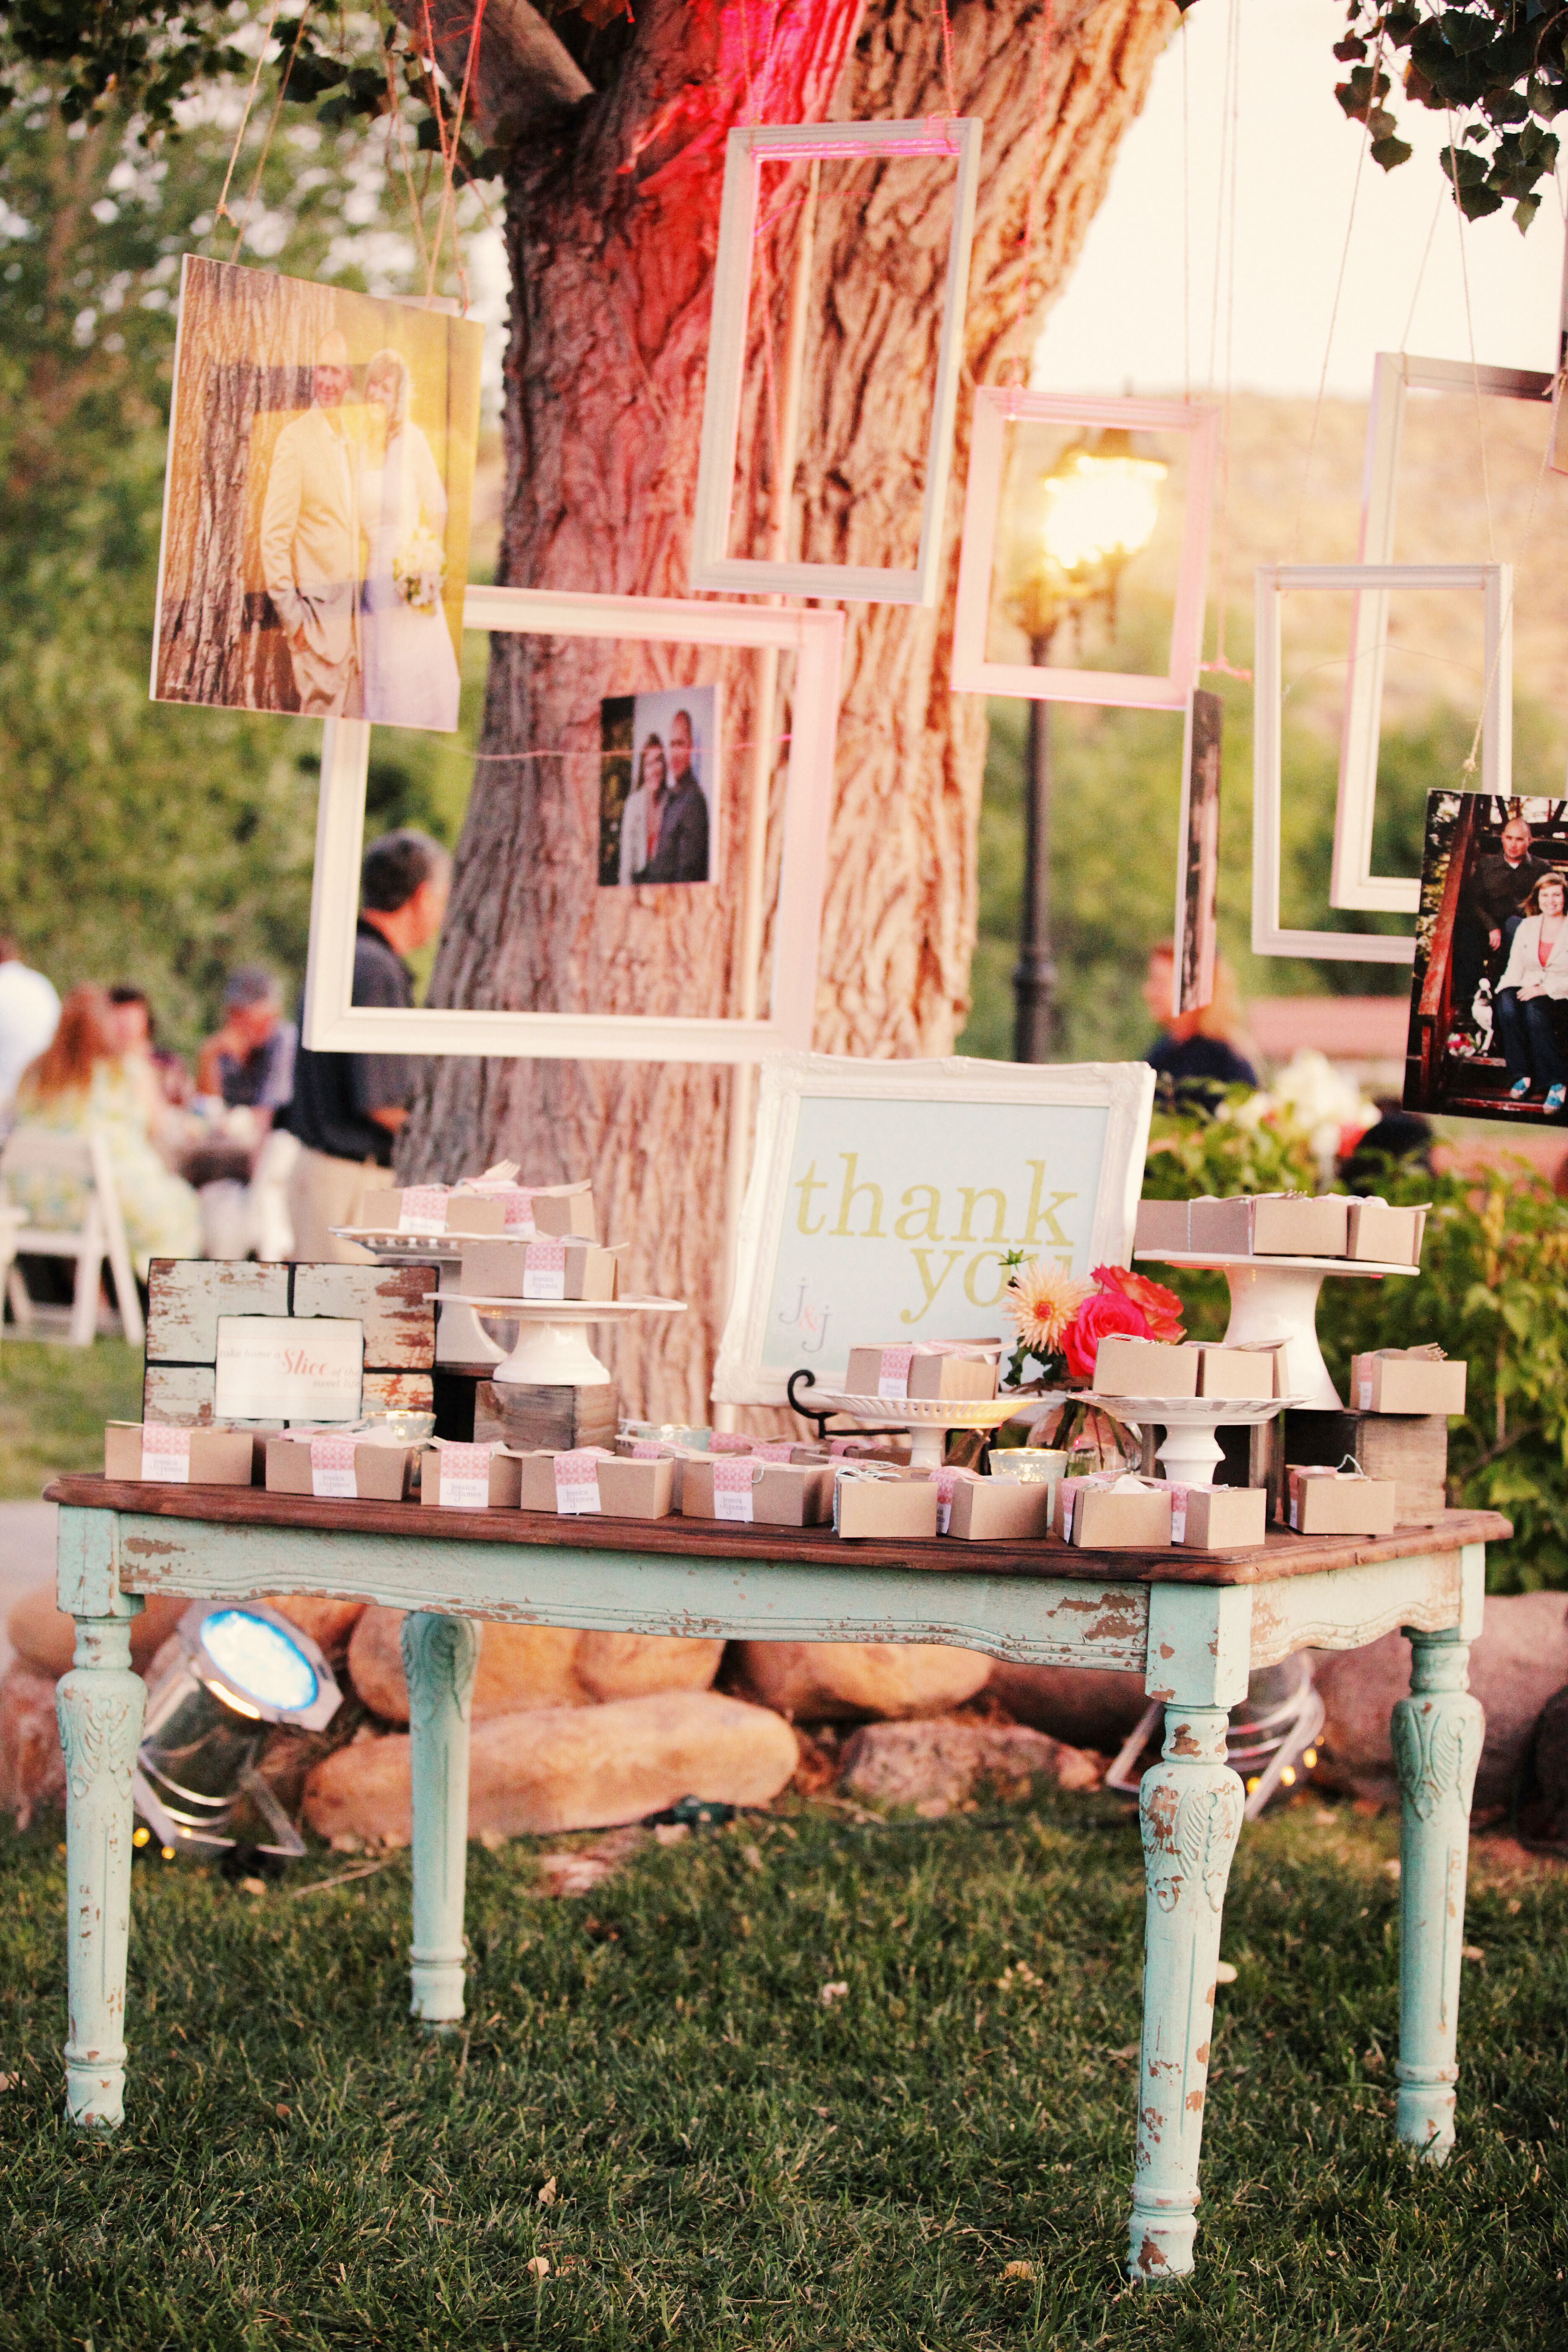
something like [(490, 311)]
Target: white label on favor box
[(544, 1270), (466, 1478), (167, 1453), (423, 1209), (289, 1368), (946, 1480), (733, 1489), (1365, 1394), (332, 1467), (577, 1479), (893, 1373)]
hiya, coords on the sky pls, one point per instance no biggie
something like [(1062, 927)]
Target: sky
[(1118, 327)]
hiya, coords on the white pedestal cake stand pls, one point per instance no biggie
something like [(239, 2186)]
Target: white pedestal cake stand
[(1190, 1451), (553, 1334), (1274, 1299), (460, 1336), (927, 1419)]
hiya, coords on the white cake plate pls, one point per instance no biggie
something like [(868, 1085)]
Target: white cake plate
[(553, 1334), (1274, 1299), (927, 1419), (460, 1336), (1190, 1452)]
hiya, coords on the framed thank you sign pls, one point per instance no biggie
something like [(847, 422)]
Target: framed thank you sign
[(885, 1196), (299, 1368)]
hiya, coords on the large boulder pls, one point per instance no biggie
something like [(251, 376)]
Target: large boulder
[(1088, 1706), (45, 1637), (32, 1766), (526, 1666), (566, 1768), (1519, 1661), (937, 1764), (845, 1682)]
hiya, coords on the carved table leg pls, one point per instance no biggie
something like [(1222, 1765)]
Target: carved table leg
[(1189, 1809), (439, 1654), (1437, 1733), (100, 1703)]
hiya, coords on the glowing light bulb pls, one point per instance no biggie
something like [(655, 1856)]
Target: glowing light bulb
[(138, 1836), (1309, 1759), (1288, 1776), (1100, 508), (1253, 1783)]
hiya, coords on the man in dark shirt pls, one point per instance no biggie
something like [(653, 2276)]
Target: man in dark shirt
[(250, 1062), (348, 1107), (1490, 911), (678, 821)]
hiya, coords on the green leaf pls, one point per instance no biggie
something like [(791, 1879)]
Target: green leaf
[(1391, 152)]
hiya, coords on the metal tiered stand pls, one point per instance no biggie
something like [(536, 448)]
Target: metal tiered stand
[(927, 1419)]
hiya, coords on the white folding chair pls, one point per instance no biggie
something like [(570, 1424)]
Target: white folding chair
[(36, 1151)]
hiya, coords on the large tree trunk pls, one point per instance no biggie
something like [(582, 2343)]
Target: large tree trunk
[(611, 231)]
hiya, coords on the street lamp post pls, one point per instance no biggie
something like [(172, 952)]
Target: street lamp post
[(1101, 502)]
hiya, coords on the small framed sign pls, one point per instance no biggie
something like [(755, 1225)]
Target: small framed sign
[(884, 1197), (304, 1367)]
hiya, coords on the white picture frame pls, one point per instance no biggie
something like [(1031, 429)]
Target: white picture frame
[(1353, 883), (747, 149), (333, 1024), (1493, 582), (996, 407), (990, 1121)]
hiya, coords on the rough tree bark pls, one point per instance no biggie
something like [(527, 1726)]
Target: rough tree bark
[(612, 220)]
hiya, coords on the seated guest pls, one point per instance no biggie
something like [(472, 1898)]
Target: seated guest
[(250, 1060), (29, 1010), (348, 1107), (1533, 985), (136, 1033), (78, 1085), (1491, 906), (1196, 1055)]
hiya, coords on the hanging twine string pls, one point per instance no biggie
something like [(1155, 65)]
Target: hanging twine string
[(271, 128), (223, 212), (1026, 234), (447, 210), (947, 63), (754, 113), (1230, 167), (396, 130)]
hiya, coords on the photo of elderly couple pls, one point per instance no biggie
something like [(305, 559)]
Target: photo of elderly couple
[(317, 502), (658, 786), (1488, 1006)]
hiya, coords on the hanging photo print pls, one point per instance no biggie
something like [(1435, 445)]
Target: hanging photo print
[(1198, 880), (316, 505), (1489, 1007), (658, 786)]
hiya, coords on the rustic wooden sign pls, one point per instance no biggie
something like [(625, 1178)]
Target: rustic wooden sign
[(186, 1296)]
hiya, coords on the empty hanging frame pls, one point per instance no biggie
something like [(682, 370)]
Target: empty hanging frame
[(334, 1023), (1493, 583), (747, 151), (995, 408), (1353, 883)]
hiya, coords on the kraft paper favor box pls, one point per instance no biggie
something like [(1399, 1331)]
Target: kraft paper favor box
[(1273, 1359), (1389, 1236), (150, 1452), (539, 1270), (1218, 1519), (1244, 1374), (327, 1463), (1114, 1511), (1162, 1226), (552, 1212), (1407, 1380), (993, 1510), (884, 1502), (1270, 1225), (468, 1477), (589, 1481), (430, 1209), (1327, 1502), (755, 1491), (1144, 1367), (923, 1368)]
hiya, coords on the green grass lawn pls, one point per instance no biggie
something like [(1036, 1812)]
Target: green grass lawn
[(54, 1402), (653, 2097)]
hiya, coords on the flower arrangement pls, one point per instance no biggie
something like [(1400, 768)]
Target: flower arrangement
[(1060, 1319), (419, 570)]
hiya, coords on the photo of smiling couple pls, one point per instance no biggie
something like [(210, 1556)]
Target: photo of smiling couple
[(339, 524)]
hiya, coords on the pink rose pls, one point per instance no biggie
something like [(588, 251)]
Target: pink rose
[(1107, 1310), (1161, 1308)]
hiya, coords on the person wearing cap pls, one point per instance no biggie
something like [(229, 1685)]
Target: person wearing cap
[(250, 1062), (310, 542)]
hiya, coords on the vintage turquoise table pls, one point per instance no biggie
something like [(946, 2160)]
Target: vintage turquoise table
[(1192, 1624)]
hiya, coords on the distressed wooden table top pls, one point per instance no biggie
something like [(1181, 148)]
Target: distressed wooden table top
[(1282, 1555)]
